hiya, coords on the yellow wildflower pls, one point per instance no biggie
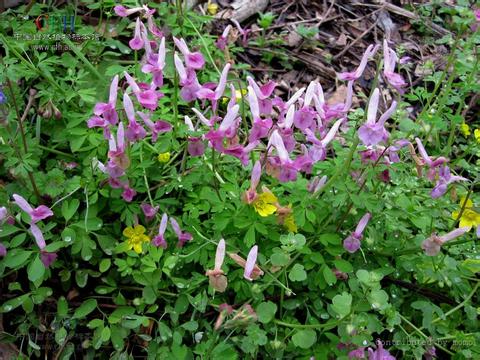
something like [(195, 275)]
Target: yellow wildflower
[(470, 218), (465, 129), (164, 157), (212, 8), (136, 236), (289, 223), (240, 93), (265, 203), (476, 133)]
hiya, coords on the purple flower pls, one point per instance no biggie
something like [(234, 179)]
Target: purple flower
[(183, 237), (250, 263), (316, 184), (107, 110), (251, 193), (157, 127), (3, 98), (380, 353), (426, 159), (433, 244), (243, 32), (155, 66), (97, 121), (354, 75), (194, 60), (147, 98), (430, 353), (3, 214), (206, 93), (357, 353), (3, 250), (222, 40), (373, 132), (352, 242), (444, 179), (38, 236), (389, 62), (159, 240), (128, 193), (149, 211), (47, 258), (124, 12), (195, 146), (39, 213), (137, 42)]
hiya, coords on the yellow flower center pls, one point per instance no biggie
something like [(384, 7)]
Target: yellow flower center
[(264, 204), (164, 157), (136, 237)]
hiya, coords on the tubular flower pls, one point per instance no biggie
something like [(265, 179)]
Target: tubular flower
[(470, 217), (159, 240), (183, 237), (251, 194), (433, 244), (352, 242), (135, 238), (216, 276), (254, 270), (354, 75), (265, 203), (39, 213)]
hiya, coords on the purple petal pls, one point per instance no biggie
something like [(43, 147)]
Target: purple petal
[(47, 258), (40, 213), (37, 234), (250, 263), (220, 254), (22, 203), (373, 107)]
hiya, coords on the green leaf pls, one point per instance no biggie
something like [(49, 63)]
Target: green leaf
[(105, 265), (266, 311), (304, 338), (86, 308), (69, 208), (342, 304), (329, 276), (62, 307), (190, 326), (378, 299), (16, 257), (279, 259), (60, 336), (35, 270), (297, 273), (472, 265), (343, 265), (249, 238)]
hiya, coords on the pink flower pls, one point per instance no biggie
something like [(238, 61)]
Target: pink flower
[(380, 353), (157, 127), (137, 42), (352, 242), (124, 12), (222, 41), (251, 263), (147, 98), (216, 276), (354, 75), (444, 179), (389, 62), (107, 110), (155, 66), (251, 194), (38, 236), (128, 193), (373, 132), (243, 32), (3, 250), (433, 244), (426, 159), (194, 60), (47, 258), (149, 211), (39, 213), (183, 237), (159, 240)]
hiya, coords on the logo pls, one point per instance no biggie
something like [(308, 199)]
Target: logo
[(55, 23)]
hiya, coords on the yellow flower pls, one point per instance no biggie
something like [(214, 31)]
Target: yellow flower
[(136, 236), (240, 93), (265, 203), (470, 218), (289, 223), (477, 135), (465, 129), (164, 157), (212, 8)]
